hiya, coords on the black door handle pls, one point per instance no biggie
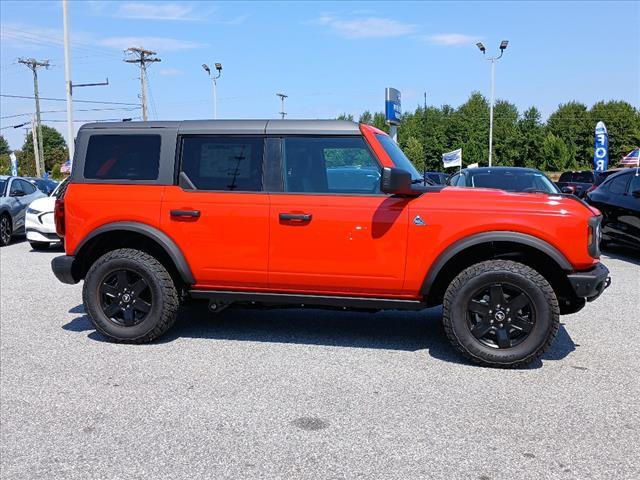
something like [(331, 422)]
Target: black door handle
[(295, 217), (185, 213)]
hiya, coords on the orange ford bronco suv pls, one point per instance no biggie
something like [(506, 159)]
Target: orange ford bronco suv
[(316, 213)]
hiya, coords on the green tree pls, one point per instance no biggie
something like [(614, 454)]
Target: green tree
[(572, 123), (530, 138), (468, 128), (506, 135), (53, 144), (5, 164), (345, 116), (4, 146), (555, 154)]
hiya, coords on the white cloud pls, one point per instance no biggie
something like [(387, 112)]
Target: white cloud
[(365, 27), (159, 44), (450, 39), (157, 11), (171, 72)]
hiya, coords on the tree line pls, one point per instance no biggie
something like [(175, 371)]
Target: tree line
[(564, 142)]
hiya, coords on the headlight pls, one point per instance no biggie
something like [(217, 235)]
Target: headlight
[(33, 211), (594, 236)]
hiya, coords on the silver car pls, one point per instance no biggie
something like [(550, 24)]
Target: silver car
[(15, 196)]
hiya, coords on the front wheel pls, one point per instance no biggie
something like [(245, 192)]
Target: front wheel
[(5, 230), (130, 297), (501, 313)]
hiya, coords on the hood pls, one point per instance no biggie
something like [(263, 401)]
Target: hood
[(44, 204), (488, 200)]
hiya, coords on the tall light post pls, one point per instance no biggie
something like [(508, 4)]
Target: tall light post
[(503, 47), (282, 96), (214, 84)]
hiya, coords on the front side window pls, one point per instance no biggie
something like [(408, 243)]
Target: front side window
[(397, 156), (16, 188), (224, 163), (27, 188), (122, 157), (634, 184), (330, 165)]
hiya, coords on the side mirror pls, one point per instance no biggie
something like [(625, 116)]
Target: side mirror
[(567, 190), (17, 193), (397, 181), (636, 193)]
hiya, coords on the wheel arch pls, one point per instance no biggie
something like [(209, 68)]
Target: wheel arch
[(132, 235), (527, 249)]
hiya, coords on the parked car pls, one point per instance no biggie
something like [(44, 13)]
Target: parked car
[(16, 194), (39, 221), (511, 179), (618, 198), (581, 182), (437, 178), (247, 212), (45, 185)]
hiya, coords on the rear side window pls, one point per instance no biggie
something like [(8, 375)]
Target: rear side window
[(618, 185), (634, 184), (224, 163), (123, 157)]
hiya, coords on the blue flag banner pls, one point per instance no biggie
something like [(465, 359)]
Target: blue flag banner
[(601, 151)]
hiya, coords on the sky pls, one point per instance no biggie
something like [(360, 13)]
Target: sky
[(328, 57)]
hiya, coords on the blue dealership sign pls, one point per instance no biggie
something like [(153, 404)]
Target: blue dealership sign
[(601, 151), (392, 106)]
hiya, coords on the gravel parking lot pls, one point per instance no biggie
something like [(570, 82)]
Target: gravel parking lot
[(308, 393)]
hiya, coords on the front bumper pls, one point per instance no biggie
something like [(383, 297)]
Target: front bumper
[(590, 283), (62, 267)]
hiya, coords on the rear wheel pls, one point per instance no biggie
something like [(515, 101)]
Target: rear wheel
[(39, 245), (501, 313), (130, 297), (5, 230)]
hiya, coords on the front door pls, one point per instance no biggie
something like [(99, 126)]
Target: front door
[(219, 214), (332, 231)]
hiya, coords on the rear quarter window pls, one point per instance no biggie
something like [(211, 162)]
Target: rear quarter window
[(123, 157)]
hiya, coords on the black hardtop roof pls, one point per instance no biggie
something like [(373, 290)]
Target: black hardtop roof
[(239, 127)]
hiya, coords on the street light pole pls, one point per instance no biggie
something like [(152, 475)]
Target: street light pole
[(214, 85), (503, 46)]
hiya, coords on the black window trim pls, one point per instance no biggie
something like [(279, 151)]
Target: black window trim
[(178, 161)]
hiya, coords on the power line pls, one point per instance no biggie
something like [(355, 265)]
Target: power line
[(128, 109), (76, 101)]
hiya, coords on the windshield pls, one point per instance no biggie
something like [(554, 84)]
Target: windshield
[(577, 177), (514, 182), (397, 156), (3, 184)]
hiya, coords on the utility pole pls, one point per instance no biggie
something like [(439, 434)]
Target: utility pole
[(282, 97), (36, 151), (424, 118), (33, 65), (142, 58), (67, 79)]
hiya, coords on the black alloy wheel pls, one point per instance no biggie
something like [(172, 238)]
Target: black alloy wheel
[(5, 230), (125, 297), (501, 315)]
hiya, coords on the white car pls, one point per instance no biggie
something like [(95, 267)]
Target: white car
[(39, 222)]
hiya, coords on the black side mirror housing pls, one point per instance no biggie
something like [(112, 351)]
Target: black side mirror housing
[(567, 190), (17, 193), (636, 193), (397, 181)]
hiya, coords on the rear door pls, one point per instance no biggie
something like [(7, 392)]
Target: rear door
[(332, 230), (219, 213)]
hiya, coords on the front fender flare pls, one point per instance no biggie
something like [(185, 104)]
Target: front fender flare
[(488, 237)]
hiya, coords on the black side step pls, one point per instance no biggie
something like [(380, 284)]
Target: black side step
[(308, 300)]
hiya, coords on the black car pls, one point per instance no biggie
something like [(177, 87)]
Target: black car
[(511, 179), (582, 182), (45, 185), (618, 198), (438, 178)]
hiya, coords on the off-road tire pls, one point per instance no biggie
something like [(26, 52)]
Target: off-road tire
[(164, 308), (39, 245), (4, 241), (507, 272)]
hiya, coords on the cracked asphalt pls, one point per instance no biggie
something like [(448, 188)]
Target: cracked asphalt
[(288, 394)]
